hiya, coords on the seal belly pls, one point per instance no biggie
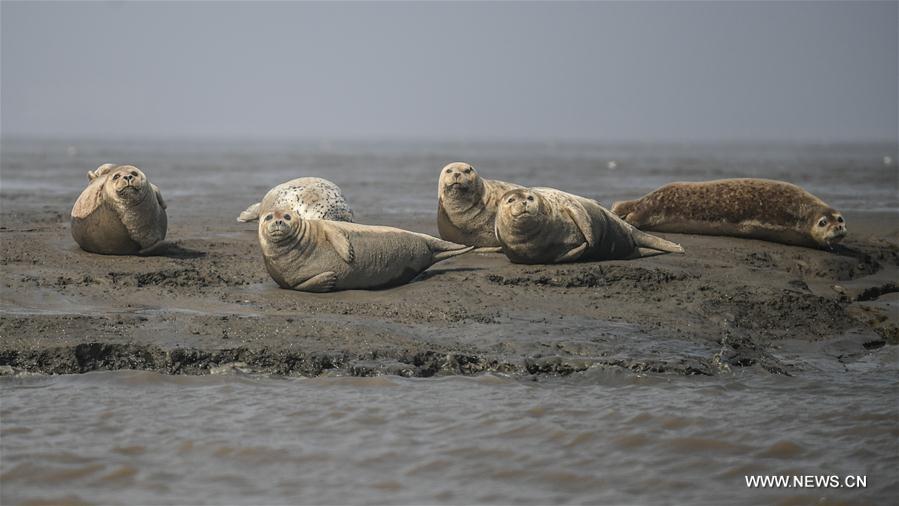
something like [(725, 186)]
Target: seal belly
[(103, 232)]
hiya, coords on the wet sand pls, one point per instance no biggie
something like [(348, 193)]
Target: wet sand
[(207, 305)]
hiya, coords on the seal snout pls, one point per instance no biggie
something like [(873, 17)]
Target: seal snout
[(277, 223)]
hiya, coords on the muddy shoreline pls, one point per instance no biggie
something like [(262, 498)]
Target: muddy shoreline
[(206, 305)]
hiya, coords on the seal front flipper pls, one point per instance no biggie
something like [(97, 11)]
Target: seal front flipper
[(91, 198), (251, 213), (340, 242), (582, 219), (324, 282), (159, 196), (572, 255)]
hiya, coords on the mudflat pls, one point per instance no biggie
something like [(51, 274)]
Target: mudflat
[(207, 303)]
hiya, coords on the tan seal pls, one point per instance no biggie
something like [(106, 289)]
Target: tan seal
[(545, 225), (119, 213), (311, 198), (755, 208), (324, 256), (466, 205)]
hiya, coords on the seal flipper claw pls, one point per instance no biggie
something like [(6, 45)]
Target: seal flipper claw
[(251, 213)]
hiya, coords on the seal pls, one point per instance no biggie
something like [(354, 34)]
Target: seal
[(466, 205), (764, 209), (310, 198), (546, 225), (119, 213), (325, 256)]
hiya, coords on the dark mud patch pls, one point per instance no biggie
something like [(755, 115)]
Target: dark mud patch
[(593, 276), (874, 292), (784, 314), (96, 356), (174, 278)]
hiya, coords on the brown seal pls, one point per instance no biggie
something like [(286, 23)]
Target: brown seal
[(325, 256), (466, 205), (754, 208), (545, 225), (119, 213)]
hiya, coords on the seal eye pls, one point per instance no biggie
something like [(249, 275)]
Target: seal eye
[(468, 170), (268, 218), (840, 219), (511, 199), (115, 177), (449, 171), (822, 222), (134, 173), (287, 217), (531, 198)]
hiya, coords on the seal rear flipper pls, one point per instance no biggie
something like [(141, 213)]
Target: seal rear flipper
[(155, 248), (251, 214), (644, 240), (646, 252), (444, 249)]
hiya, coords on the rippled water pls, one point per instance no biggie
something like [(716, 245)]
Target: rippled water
[(595, 437), (392, 178)]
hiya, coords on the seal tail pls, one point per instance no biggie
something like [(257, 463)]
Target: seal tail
[(251, 214), (644, 240), (445, 249), (624, 208)]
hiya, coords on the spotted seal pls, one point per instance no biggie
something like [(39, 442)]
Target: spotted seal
[(311, 198), (764, 209), (546, 225), (119, 213), (325, 256)]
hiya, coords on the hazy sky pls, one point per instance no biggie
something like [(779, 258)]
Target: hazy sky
[(587, 71)]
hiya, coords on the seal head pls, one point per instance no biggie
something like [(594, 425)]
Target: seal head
[(460, 181), (829, 228), (127, 185), (466, 205)]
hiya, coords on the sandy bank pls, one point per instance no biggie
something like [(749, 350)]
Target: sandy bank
[(728, 303)]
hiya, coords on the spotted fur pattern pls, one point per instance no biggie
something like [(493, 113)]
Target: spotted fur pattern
[(755, 208), (311, 198)]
